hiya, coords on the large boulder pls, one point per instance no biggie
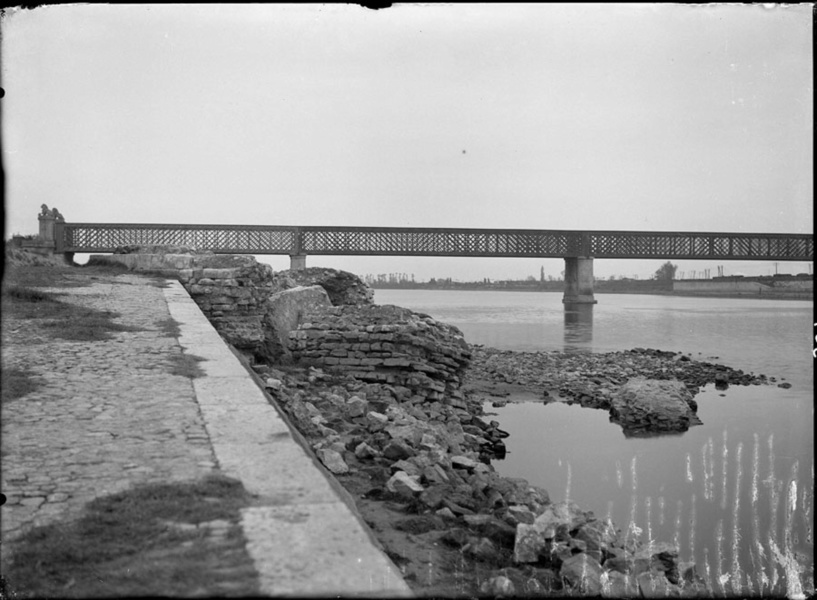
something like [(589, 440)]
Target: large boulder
[(646, 407), (343, 288), (285, 311)]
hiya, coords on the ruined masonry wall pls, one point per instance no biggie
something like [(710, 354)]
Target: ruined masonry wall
[(385, 344), (233, 299)]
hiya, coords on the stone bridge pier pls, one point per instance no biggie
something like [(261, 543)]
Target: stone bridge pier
[(579, 280), (297, 262)]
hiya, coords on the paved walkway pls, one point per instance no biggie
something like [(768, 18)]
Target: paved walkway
[(111, 415)]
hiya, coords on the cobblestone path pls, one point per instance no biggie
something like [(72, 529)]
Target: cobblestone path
[(108, 415)]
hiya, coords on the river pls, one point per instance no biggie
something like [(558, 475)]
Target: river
[(736, 494)]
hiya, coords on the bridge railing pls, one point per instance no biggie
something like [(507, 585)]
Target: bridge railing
[(405, 241)]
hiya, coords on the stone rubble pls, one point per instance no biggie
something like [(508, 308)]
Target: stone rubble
[(647, 391), (433, 459), (591, 379)]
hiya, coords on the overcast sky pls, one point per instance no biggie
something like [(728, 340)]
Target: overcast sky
[(633, 117)]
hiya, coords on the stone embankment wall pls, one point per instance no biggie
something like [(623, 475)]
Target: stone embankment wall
[(232, 292), (386, 344), (744, 287), (795, 284)]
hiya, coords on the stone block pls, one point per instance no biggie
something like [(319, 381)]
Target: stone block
[(333, 461), (529, 544), (404, 484), (583, 573)]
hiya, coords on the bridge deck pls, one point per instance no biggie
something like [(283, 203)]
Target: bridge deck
[(404, 241)]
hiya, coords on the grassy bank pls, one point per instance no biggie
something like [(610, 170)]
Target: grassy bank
[(166, 539), (180, 539)]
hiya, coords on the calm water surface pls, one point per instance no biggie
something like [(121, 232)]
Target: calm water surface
[(736, 493)]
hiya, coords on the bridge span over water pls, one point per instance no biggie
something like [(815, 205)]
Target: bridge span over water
[(577, 248)]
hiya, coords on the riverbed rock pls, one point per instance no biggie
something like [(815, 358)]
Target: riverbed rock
[(456, 537), (482, 549), (463, 462), (516, 514), (517, 491), (583, 573), (404, 484), (592, 379), (618, 585), (333, 461), (658, 557), (397, 450), (598, 536), (556, 521), (492, 528), (565, 513), (364, 451), (655, 585), (648, 406), (498, 587)]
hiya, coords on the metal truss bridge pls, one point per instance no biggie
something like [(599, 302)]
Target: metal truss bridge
[(403, 241), (578, 248)]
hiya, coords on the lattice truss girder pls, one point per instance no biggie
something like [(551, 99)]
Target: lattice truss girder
[(701, 246), (220, 240), (648, 245), (293, 240), (435, 242)]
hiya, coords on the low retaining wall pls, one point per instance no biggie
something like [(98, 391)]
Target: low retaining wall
[(781, 287), (795, 284), (725, 287)]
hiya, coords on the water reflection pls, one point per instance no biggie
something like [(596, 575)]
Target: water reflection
[(578, 327), (729, 497), (643, 433)]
